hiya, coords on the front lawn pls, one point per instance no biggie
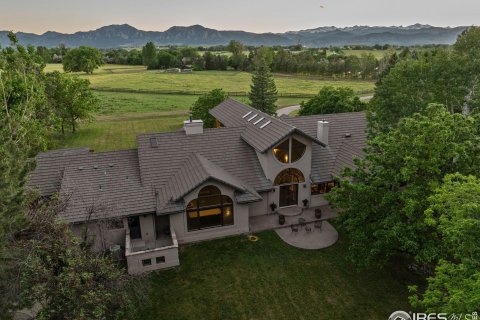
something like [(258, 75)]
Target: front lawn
[(234, 278)]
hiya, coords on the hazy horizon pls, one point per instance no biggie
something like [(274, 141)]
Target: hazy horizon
[(254, 16)]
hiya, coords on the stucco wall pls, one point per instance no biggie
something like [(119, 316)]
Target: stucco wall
[(147, 227), (168, 254), (272, 167), (261, 207), (178, 221), (318, 200)]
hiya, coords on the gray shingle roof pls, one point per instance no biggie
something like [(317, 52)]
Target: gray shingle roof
[(262, 131), (196, 170), (328, 162), (223, 147), (107, 183), (48, 173)]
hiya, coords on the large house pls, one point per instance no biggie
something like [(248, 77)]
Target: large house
[(198, 184)]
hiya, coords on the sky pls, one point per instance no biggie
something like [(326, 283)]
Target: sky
[(69, 16)]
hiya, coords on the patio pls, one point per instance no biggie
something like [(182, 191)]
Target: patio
[(313, 236), (270, 221)]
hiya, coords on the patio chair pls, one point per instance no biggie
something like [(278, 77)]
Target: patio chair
[(318, 213), (294, 228), (301, 222), (318, 225), (308, 228)]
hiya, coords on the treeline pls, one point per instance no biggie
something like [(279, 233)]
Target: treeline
[(328, 62)]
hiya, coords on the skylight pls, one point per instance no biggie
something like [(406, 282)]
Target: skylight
[(258, 121), (248, 113), (265, 124), (252, 117)]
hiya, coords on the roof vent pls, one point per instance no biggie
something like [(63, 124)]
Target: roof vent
[(80, 168), (111, 165), (265, 124), (258, 121), (153, 142), (246, 115), (252, 117), (95, 167), (348, 135)]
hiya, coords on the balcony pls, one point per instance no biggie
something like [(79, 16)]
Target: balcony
[(154, 255)]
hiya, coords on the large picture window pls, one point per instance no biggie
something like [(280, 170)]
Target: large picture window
[(289, 151), (210, 209)]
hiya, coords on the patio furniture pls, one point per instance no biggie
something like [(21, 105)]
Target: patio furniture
[(318, 213), (301, 222), (281, 219), (318, 225), (308, 228), (294, 228)]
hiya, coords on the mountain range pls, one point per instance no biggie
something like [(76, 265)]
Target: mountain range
[(124, 35)]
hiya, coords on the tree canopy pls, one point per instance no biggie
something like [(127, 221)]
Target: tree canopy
[(149, 55), (454, 211), (71, 98), (438, 76), (82, 59), (332, 100), (204, 103), (263, 92), (383, 200)]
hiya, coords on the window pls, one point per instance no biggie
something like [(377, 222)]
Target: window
[(289, 176), (146, 262), (134, 227), (289, 151), (322, 188), (160, 259), (210, 209)]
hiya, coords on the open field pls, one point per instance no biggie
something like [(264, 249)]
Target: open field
[(234, 278), (123, 115), (116, 103), (138, 78)]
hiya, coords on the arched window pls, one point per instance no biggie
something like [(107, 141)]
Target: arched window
[(210, 209), (289, 151), (289, 176)]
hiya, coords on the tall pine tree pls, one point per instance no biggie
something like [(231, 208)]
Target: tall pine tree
[(263, 92)]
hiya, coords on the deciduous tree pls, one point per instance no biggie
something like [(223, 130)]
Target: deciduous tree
[(71, 98), (332, 100), (383, 201), (204, 103), (82, 59), (454, 212)]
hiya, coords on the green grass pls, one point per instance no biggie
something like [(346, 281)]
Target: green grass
[(122, 116), (234, 278), (138, 78), (117, 133)]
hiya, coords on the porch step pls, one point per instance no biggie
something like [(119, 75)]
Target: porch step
[(290, 211)]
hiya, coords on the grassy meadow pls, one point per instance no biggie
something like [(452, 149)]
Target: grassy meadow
[(122, 115), (234, 278)]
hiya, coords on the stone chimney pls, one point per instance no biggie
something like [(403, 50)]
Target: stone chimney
[(322, 131), (193, 126)]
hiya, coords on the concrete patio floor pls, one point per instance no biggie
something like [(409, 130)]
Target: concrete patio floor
[(313, 240), (270, 221)]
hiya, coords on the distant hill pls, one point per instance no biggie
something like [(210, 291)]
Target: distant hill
[(127, 36)]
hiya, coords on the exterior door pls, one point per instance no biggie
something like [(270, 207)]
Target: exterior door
[(288, 195)]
